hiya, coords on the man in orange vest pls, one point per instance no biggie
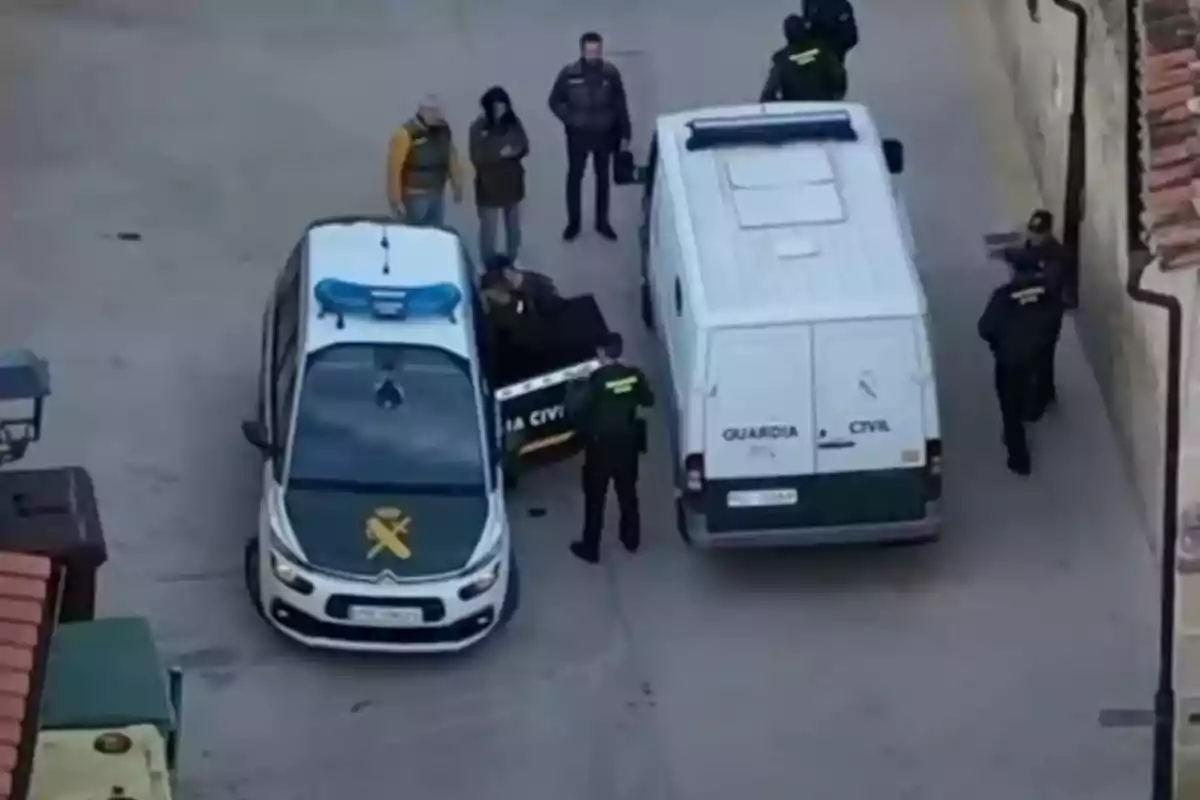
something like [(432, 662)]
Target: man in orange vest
[(421, 160)]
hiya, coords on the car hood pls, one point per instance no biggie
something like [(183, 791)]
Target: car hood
[(409, 535)]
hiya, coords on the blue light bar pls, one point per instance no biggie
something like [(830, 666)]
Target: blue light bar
[(775, 129), (393, 303)]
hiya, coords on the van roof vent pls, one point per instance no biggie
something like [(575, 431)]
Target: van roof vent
[(780, 188), (769, 169), (793, 247), (788, 206)]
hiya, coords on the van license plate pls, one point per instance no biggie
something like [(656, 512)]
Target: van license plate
[(763, 497), (384, 615)]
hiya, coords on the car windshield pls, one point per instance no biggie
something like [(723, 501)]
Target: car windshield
[(388, 418)]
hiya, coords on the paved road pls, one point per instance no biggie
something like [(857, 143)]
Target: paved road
[(973, 668)]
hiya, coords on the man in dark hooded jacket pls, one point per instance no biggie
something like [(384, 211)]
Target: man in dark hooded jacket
[(809, 69), (497, 146)]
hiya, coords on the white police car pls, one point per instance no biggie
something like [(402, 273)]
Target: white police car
[(382, 524)]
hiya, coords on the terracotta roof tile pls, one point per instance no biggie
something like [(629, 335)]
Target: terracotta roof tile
[(1170, 104), (27, 584)]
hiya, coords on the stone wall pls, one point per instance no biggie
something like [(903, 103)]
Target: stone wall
[(1125, 341)]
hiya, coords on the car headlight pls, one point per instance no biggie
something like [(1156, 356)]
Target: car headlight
[(286, 569), (485, 576)]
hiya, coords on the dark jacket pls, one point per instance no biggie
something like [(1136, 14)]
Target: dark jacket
[(589, 99), (606, 407), (1054, 261), (1021, 321), (538, 291), (806, 70), (499, 179), (833, 21)]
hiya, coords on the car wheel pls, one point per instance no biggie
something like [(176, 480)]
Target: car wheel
[(647, 308), (512, 599), (250, 563)]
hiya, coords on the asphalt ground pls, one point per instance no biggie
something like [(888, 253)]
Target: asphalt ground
[(975, 667)]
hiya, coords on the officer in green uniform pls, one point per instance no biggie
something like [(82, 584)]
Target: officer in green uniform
[(606, 407)]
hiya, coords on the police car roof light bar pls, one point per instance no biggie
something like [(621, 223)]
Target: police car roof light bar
[(391, 303), (804, 126)]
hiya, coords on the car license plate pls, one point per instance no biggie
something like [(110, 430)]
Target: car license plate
[(386, 615), (763, 497)]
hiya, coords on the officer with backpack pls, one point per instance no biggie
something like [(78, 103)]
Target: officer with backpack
[(808, 69)]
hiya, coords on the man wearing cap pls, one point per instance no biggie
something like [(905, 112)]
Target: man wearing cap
[(1021, 320), (606, 407), (421, 161)]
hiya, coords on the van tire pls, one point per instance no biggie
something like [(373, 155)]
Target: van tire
[(647, 308), (250, 564)]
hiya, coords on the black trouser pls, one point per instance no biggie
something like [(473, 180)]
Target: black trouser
[(579, 147), (1014, 390), (618, 465)]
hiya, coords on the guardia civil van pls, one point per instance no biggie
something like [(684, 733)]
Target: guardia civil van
[(779, 273), (382, 524)]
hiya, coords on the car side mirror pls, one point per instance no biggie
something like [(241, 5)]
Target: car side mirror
[(893, 154), (255, 433)]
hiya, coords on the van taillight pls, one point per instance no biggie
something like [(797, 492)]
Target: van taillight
[(933, 469), (693, 466)]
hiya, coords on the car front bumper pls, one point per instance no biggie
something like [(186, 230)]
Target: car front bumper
[(323, 611)]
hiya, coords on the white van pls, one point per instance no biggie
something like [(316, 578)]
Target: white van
[(778, 273)]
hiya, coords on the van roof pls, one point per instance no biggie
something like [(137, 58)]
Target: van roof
[(355, 250), (788, 231)]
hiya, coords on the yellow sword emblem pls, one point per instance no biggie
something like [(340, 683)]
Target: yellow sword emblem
[(387, 529)]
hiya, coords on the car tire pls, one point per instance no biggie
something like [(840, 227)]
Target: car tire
[(647, 308), (512, 598), (681, 522), (250, 565)]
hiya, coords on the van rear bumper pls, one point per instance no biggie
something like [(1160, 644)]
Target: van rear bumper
[(694, 529)]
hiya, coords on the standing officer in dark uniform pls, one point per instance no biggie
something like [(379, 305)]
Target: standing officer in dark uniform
[(808, 69), (1019, 324), (588, 97), (615, 437), (1057, 266)]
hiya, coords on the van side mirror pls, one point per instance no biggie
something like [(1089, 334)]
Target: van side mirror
[(255, 433), (893, 154)]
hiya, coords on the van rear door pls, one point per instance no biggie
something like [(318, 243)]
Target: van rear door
[(870, 391), (759, 414)]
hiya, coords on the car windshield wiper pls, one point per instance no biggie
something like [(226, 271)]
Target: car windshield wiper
[(364, 487)]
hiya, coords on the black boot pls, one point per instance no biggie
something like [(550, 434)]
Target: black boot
[(580, 551)]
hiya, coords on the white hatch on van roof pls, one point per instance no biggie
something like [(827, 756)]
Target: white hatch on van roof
[(771, 190)]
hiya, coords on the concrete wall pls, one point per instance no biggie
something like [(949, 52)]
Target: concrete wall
[(1125, 342)]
